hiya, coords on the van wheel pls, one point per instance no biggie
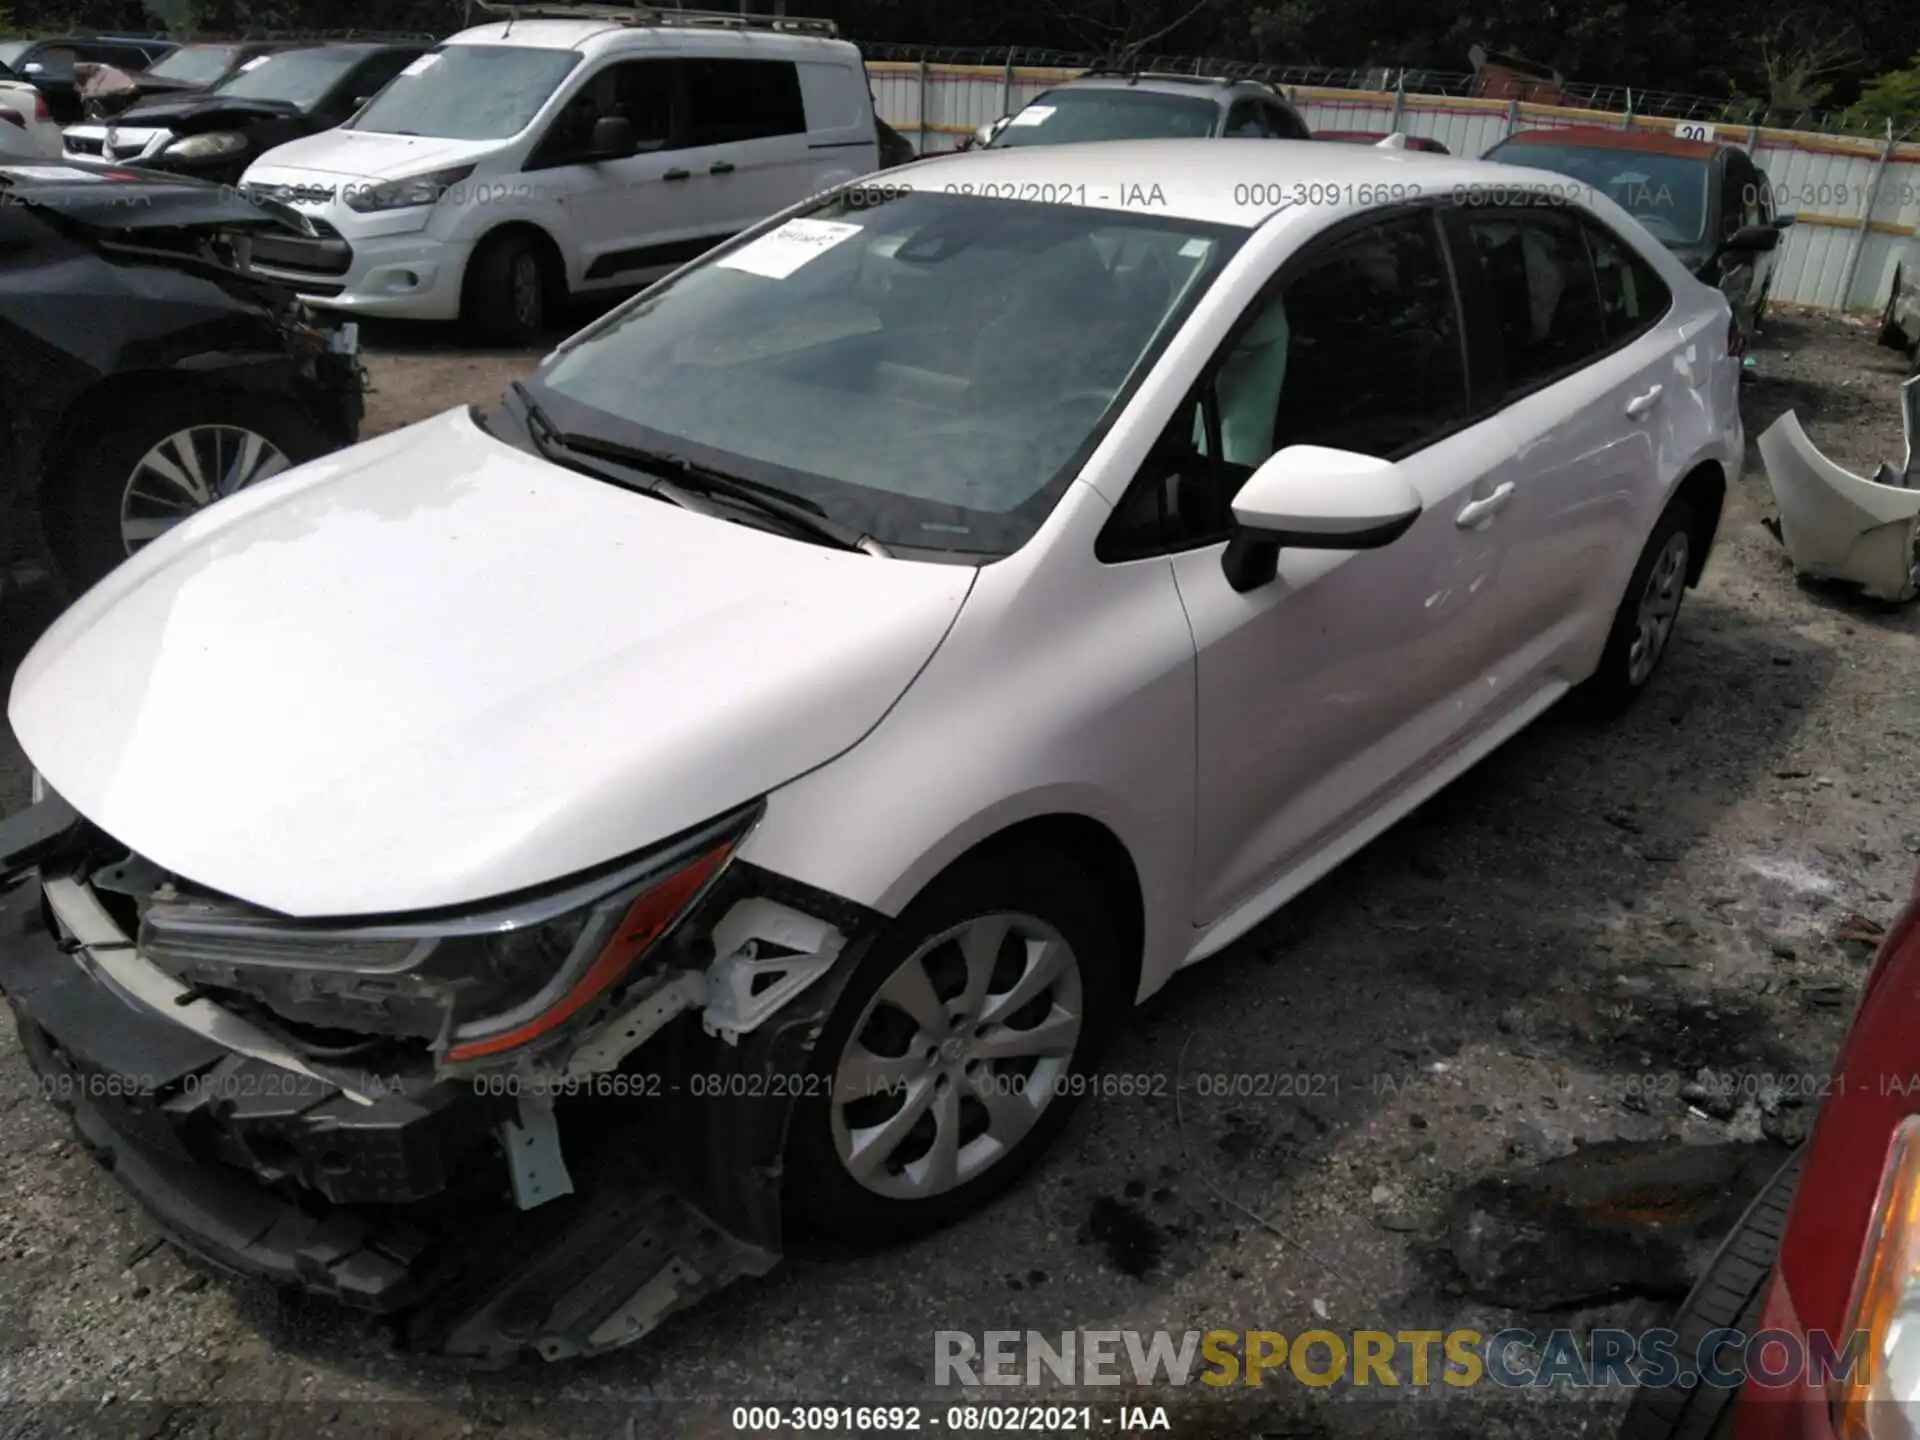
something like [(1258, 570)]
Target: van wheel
[(955, 1053), (509, 291), (161, 462), (1643, 626)]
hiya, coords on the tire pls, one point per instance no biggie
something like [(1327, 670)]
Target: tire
[(1621, 675), (509, 293), (86, 512), (1729, 1297), (1050, 894)]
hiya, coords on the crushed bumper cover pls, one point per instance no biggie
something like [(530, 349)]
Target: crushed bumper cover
[(402, 1208)]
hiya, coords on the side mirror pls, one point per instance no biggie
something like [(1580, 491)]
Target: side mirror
[(1307, 497), (1752, 238), (613, 138)]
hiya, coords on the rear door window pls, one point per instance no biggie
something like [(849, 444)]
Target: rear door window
[(1632, 296), (734, 100), (1539, 290)]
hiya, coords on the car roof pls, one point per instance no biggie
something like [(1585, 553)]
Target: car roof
[(1161, 84), (1206, 181), (1597, 137), (614, 35)]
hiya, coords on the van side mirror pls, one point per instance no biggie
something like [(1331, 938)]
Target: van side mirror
[(613, 139), (1308, 497)]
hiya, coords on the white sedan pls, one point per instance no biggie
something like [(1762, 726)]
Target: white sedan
[(27, 128), (910, 633)]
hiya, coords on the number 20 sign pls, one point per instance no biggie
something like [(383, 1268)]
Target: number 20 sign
[(1694, 130)]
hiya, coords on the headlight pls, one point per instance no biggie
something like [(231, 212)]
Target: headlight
[(205, 147), (1881, 1399), (477, 986), (400, 194)]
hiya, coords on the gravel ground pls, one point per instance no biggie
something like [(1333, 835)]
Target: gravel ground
[(1540, 958)]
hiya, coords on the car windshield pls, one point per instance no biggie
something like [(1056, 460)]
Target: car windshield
[(1064, 117), (195, 64), (469, 92), (300, 77), (930, 370), (1665, 193)]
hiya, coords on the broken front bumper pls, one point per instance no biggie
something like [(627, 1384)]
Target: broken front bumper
[(398, 1198)]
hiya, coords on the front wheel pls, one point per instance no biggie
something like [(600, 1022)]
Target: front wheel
[(507, 296), (1644, 624), (957, 1050), (158, 463)]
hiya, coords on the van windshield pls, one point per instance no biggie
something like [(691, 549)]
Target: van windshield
[(469, 92)]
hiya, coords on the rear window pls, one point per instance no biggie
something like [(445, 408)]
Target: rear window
[(469, 92), (1065, 117)]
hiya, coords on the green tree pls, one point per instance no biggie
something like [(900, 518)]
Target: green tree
[(1893, 96)]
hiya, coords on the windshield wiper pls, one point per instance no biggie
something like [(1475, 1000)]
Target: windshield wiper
[(693, 479)]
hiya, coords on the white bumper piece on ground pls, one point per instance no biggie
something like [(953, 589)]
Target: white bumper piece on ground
[(1840, 526)]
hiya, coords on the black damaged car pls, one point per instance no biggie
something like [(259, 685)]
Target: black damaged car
[(217, 134), (144, 373)]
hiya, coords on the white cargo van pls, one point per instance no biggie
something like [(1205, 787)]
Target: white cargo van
[(567, 149)]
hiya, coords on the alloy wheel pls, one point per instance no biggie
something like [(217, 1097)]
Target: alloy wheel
[(957, 1055), (1659, 607), (186, 472)]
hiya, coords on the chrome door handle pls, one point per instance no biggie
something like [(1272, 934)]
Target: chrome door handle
[(1472, 514), (1641, 404)]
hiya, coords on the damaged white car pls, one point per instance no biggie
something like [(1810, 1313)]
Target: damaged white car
[(516, 874), (1845, 527)]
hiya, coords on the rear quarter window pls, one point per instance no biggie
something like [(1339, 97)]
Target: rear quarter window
[(834, 96)]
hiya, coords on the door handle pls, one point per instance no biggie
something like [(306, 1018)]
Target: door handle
[(1641, 404), (721, 167), (1475, 511), (678, 175)]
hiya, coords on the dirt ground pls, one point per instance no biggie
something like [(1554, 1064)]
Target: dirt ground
[(1540, 959)]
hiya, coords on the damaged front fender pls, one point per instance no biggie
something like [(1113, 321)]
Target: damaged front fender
[(1840, 526)]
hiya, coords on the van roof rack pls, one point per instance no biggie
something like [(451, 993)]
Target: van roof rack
[(656, 15), (1120, 70)]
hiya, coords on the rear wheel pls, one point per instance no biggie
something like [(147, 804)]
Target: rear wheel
[(1728, 1297), (957, 1050), (1644, 624)]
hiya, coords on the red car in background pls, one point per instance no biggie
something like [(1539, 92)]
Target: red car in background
[(1374, 137), (1827, 1261)]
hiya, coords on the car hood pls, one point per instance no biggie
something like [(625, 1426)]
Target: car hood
[(365, 155), (433, 670), (195, 112), (113, 198)]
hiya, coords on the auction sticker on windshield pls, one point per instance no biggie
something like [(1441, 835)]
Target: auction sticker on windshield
[(1033, 115), (779, 253)]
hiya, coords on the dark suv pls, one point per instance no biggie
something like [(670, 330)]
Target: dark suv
[(1705, 201), (143, 373)]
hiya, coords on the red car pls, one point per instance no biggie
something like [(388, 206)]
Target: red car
[(1821, 1278), (1374, 137)]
